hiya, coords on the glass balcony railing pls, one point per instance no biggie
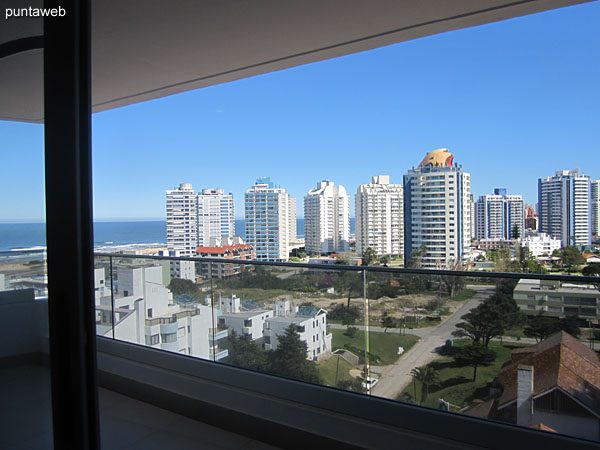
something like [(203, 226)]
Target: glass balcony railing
[(464, 342), (515, 348)]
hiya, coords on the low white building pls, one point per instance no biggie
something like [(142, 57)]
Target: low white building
[(539, 244), (557, 299), (186, 270), (142, 311), (311, 324), (250, 323)]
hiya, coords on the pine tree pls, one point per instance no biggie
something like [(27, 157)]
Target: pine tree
[(289, 359)]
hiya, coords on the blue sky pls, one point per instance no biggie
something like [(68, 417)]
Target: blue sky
[(513, 101)]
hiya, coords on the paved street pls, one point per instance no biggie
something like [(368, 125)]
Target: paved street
[(394, 378)]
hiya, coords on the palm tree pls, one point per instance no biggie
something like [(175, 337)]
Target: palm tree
[(427, 376)]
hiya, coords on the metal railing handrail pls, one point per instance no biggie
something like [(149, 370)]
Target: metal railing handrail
[(342, 267)]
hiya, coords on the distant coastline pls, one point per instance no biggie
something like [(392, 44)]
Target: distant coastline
[(108, 235)]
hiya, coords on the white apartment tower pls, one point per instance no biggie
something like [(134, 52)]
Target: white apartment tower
[(327, 219), (500, 215), (293, 220), (215, 216), (182, 220), (595, 207), (379, 217), (437, 210), (267, 213), (565, 207)]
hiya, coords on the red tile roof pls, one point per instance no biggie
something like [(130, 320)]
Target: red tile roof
[(223, 249), (559, 361)]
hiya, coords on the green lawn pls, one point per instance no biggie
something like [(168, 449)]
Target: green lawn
[(383, 346), (465, 294), (456, 385), (329, 367), (516, 332)]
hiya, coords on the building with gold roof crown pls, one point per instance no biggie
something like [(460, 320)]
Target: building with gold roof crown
[(437, 210), (438, 158)]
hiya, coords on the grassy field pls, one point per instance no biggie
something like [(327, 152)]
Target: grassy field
[(330, 367), (456, 385), (463, 295), (383, 346)]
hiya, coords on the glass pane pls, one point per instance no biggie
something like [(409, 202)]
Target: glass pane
[(295, 322), (26, 413), (488, 347)]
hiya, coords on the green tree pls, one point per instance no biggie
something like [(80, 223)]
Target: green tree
[(385, 259), (542, 327), (179, 286), (453, 284), (289, 359), (427, 376), (527, 263), (416, 258), (387, 322), (571, 258), (350, 281), (245, 353), (591, 270), (369, 257), (482, 323), (474, 355)]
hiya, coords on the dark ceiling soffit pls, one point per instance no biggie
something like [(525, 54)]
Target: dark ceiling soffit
[(318, 50), (21, 45)]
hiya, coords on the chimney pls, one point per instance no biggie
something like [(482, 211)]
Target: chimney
[(524, 395)]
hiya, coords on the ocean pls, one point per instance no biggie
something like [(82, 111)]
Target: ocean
[(107, 235)]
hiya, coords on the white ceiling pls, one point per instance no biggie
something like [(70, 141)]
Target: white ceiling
[(145, 49)]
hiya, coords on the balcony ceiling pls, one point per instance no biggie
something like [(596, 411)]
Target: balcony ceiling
[(146, 49)]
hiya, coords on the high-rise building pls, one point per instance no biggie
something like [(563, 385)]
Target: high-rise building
[(215, 216), (379, 217), (182, 220), (437, 210), (472, 203), (531, 218), (500, 216), (595, 184), (293, 220), (267, 212), (565, 207), (327, 218)]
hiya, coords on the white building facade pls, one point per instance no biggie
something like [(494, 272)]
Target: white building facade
[(311, 325), (565, 209), (380, 217), (327, 219), (215, 216), (437, 210), (182, 220), (539, 244), (267, 216), (595, 186), (143, 312), (500, 216)]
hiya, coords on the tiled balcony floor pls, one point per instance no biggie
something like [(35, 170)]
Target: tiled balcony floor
[(25, 420)]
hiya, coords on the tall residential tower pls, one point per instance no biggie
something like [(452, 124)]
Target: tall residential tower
[(267, 212), (595, 207), (327, 219), (500, 216), (215, 216), (182, 220), (565, 207), (437, 210), (379, 217)]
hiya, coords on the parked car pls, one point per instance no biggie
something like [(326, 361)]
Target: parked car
[(369, 383)]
